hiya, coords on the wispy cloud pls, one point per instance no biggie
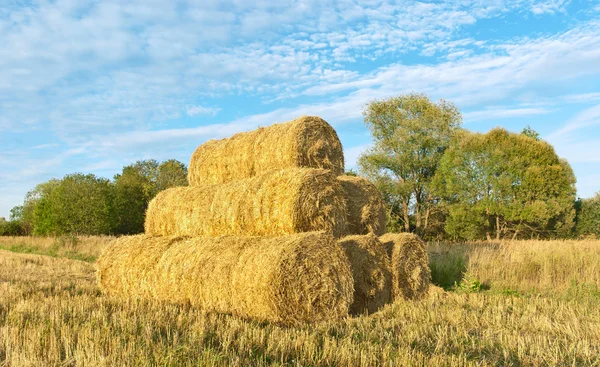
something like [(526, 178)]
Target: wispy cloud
[(586, 118), (500, 113), (201, 110)]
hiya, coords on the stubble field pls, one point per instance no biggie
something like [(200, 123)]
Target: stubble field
[(513, 303)]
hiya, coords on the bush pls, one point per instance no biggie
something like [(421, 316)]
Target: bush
[(11, 228)]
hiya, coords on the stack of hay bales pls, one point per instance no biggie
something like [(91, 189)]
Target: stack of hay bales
[(271, 229)]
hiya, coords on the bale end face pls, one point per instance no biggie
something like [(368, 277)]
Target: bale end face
[(366, 210), (371, 271), (410, 265)]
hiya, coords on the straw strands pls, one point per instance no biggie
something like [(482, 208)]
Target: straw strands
[(366, 210), (288, 280), (304, 142), (411, 275), (274, 203), (371, 271)]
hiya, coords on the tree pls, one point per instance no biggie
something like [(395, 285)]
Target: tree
[(132, 190), (137, 184), (588, 218), (528, 131), (503, 185), (37, 209), (410, 134), (82, 204), (171, 173)]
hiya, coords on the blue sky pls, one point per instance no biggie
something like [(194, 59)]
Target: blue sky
[(91, 85)]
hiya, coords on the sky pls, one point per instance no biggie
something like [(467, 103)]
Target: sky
[(93, 85)]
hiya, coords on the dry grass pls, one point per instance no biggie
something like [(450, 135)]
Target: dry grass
[(522, 266), (53, 314), (86, 248), (366, 210), (288, 280), (411, 275), (371, 272), (308, 141), (275, 203)]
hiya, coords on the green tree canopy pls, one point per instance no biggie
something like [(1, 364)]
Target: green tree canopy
[(137, 184), (502, 185), (588, 219), (410, 134), (82, 204)]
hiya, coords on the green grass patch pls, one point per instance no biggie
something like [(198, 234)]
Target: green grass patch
[(55, 251)]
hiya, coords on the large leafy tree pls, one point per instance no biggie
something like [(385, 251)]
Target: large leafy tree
[(410, 134), (588, 218), (37, 208), (502, 184), (82, 204)]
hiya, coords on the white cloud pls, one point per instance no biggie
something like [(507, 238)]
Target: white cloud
[(549, 6), (201, 110)]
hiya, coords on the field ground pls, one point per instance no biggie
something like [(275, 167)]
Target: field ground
[(514, 303)]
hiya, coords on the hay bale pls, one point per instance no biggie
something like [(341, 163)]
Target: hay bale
[(308, 141), (366, 210), (411, 275), (288, 280), (275, 203), (371, 272)]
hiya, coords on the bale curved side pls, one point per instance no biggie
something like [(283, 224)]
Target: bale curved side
[(366, 210), (288, 280), (371, 271), (307, 141), (410, 265), (275, 203)]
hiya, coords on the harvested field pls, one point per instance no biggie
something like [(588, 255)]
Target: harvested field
[(307, 141), (288, 280), (366, 210), (410, 265), (274, 203), (53, 314)]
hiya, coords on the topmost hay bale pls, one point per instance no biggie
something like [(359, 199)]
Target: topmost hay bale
[(308, 141)]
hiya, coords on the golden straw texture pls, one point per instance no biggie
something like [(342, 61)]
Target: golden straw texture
[(304, 142), (411, 275), (288, 280), (371, 271), (275, 203), (366, 210)]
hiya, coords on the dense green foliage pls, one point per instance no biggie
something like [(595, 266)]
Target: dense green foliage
[(86, 204), (410, 134), (502, 184), (588, 218), (441, 181)]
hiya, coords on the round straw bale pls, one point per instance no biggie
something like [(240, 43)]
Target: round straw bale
[(288, 280), (371, 271), (274, 203), (307, 141), (410, 265), (366, 210)]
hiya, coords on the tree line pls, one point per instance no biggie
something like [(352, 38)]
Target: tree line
[(438, 180), (90, 205), (445, 182)]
